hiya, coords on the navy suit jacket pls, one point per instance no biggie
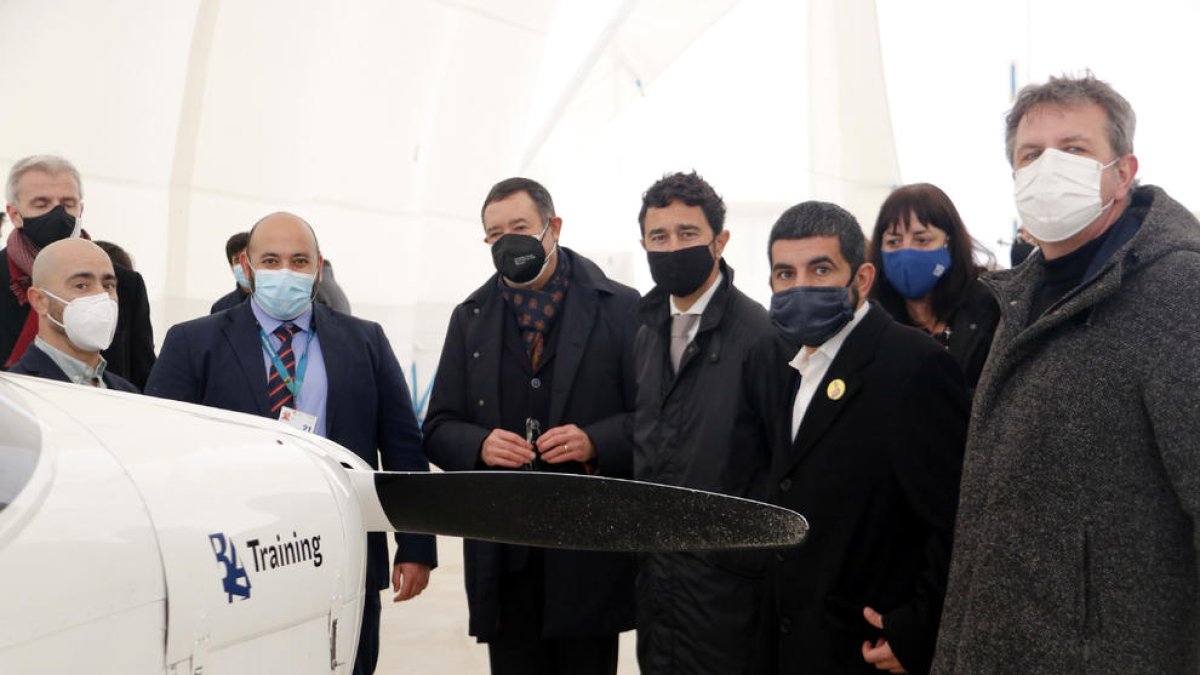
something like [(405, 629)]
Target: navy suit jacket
[(39, 364), (217, 360)]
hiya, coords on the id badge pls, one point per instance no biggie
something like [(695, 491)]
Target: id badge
[(298, 419)]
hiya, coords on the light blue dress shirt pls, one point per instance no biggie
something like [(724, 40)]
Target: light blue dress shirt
[(314, 391)]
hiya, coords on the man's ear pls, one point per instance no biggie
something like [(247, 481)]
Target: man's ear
[(864, 278), (14, 216), (1127, 168), (38, 301), (721, 240)]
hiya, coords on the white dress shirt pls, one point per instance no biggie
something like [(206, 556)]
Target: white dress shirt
[(813, 366)]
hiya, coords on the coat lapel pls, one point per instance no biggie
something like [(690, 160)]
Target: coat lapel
[(242, 332), (333, 338), (575, 326), (829, 402)]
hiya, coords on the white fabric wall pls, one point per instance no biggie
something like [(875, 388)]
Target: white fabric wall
[(384, 122)]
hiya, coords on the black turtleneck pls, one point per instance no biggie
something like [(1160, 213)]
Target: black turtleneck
[(1064, 274)]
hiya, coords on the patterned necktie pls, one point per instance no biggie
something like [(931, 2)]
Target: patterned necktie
[(681, 326), (278, 392)]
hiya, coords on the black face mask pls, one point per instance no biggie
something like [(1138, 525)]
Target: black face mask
[(49, 227), (681, 272), (519, 258), (810, 315)]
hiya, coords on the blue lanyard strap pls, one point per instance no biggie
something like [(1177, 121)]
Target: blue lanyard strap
[(292, 383)]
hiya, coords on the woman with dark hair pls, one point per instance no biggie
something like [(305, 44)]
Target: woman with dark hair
[(930, 279)]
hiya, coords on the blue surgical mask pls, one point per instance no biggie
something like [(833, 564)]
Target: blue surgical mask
[(914, 272), (283, 294), (239, 275), (810, 315)]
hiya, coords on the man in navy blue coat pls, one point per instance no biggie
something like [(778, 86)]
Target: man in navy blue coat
[(282, 356), (78, 274)]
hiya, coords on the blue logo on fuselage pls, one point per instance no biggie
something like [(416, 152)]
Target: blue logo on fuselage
[(236, 581)]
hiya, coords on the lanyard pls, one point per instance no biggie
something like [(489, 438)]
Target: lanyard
[(292, 383)]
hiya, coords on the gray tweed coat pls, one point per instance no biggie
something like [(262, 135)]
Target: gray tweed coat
[(1076, 540)]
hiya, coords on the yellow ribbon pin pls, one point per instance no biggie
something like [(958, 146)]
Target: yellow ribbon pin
[(836, 390)]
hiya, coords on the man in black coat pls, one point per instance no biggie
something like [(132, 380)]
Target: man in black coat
[(696, 428), (537, 373), (74, 293), (868, 440), (45, 200)]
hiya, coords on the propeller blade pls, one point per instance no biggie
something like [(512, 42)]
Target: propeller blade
[(556, 510)]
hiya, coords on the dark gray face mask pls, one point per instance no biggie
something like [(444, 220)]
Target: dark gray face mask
[(520, 258), (810, 315)]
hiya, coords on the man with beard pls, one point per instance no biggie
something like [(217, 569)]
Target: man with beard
[(282, 356), (74, 292), (870, 423)]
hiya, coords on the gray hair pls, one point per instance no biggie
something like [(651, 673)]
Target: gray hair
[(1071, 91), (50, 164)]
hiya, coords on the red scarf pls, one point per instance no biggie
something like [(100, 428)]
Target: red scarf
[(21, 254)]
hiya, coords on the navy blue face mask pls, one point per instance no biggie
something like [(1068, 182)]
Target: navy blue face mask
[(810, 315), (914, 272)]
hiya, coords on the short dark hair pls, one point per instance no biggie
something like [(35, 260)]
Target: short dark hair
[(1069, 91), (511, 186), (822, 219), (236, 244), (930, 205), (116, 254), (690, 189)]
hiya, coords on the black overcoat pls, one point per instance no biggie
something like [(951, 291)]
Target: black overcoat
[(586, 593), (875, 469), (698, 612)]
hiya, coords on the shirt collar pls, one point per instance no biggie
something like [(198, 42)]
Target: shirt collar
[(77, 371), (270, 324), (702, 303), (829, 349)]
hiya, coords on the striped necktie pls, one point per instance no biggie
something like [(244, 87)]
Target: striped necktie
[(278, 393)]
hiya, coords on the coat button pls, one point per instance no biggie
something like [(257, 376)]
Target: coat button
[(784, 485), (785, 625), (480, 403), (535, 383), (779, 557), (475, 311), (475, 355)]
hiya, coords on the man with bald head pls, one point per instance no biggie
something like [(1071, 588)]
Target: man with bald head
[(284, 357), (74, 293)]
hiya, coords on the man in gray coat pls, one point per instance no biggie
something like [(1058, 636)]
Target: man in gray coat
[(696, 427), (1076, 541)]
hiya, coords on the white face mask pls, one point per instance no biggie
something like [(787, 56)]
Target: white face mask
[(1059, 194), (90, 321)]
